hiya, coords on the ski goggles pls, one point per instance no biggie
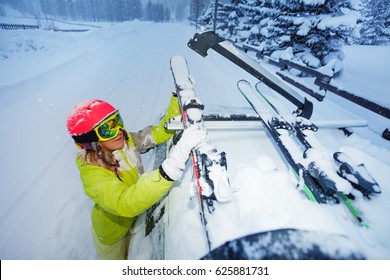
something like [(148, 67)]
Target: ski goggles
[(109, 128)]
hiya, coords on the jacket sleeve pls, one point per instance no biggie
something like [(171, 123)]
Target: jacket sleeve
[(118, 197), (151, 136), (160, 134)]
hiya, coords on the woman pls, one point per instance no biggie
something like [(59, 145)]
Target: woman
[(112, 173)]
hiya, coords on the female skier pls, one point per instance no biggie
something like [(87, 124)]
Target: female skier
[(112, 173)]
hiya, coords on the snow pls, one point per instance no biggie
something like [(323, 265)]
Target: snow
[(313, 2), (44, 211)]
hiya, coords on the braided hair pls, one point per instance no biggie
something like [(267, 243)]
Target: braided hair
[(101, 156)]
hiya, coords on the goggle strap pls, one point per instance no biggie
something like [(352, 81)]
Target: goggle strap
[(86, 137)]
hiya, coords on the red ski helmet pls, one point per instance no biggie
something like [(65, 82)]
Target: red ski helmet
[(85, 117)]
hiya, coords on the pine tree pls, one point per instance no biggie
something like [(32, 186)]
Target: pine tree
[(376, 24), (311, 31), (197, 8), (88, 10)]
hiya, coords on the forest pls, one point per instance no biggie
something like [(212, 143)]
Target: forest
[(312, 32), (101, 10)]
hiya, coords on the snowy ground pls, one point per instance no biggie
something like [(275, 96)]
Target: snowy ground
[(44, 213)]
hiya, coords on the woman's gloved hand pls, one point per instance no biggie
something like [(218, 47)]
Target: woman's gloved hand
[(174, 164)]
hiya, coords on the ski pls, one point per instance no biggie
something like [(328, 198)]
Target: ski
[(203, 41), (209, 165), (317, 184), (305, 180), (357, 175)]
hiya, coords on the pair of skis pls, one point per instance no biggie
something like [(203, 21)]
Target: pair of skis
[(317, 181), (356, 174), (209, 165)]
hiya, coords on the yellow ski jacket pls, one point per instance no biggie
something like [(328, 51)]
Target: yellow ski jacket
[(118, 201)]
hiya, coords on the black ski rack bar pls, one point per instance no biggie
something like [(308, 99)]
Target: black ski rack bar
[(306, 70), (283, 64), (322, 81), (302, 87), (365, 103), (202, 42)]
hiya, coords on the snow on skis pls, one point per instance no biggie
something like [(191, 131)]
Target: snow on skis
[(209, 165), (338, 164), (312, 175), (305, 180)]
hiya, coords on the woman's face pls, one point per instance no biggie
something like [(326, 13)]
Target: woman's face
[(116, 143)]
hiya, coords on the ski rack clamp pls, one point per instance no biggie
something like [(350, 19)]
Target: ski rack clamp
[(204, 41)]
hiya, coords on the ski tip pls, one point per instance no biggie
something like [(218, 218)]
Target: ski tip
[(177, 59), (244, 82)]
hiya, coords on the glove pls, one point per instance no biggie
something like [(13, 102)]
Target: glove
[(174, 164)]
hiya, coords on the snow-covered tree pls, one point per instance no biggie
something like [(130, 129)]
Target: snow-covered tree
[(180, 11), (228, 18), (197, 9), (156, 12), (312, 31), (88, 10), (376, 24)]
